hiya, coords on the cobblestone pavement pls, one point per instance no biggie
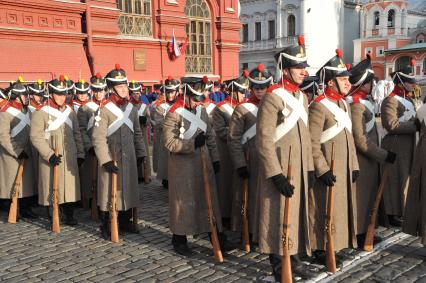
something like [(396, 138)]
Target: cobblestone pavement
[(29, 252)]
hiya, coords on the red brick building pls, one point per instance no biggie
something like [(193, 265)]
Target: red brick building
[(45, 38)]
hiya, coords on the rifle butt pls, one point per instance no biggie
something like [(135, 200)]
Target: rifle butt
[(13, 210), (55, 205), (56, 228), (330, 255), (215, 242), (369, 237), (114, 227), (114, 216), (286, 274), (246, 233)]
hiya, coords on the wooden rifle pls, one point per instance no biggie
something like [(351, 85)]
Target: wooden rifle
[(369, 236), (13, 210), (113, 207), (329, 249), (55, 195), (207, 192), (244, 210), (286, 274), (94, 211)]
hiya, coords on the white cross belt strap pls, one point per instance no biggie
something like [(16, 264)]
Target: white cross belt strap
[(291, 118), (165, 107), (410, 112), (92, 106), (210, 108), (122, 117), (370, 107), (61, 117), (31, 108), (141, 111), (227, 108), (251, 132), (24, 121), (342, 120), (195, 120)]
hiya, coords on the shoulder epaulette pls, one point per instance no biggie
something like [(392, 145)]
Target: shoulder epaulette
[(273, 87), (319, 98)]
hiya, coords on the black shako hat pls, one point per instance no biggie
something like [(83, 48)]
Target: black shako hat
[(405, 74), (97, 82), (117, 76), (362, 73), (260, 78), (17, 88), (335, 67), (293, 56)]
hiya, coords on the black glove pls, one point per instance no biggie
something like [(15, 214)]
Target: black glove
[(110, 167), (283, 185), (80, 161), (418, 124), (91, 151), (355, 175), (216, 167), (55, 160), (23, 155), (311, 179), (200, 140), (391, 157), (328, 178), (142, 120), (140, 160), (243, 172)]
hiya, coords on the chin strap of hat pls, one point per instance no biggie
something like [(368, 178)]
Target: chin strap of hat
[(337, 86)]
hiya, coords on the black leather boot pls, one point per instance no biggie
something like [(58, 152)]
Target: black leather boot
[(395, 220), (68, 209), (300, 269), (105, 231), (180, 245), (124, 222)]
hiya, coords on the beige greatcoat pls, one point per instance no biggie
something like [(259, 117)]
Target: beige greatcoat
[(145, 133), (86, 113), (274, 160), (224, 179), (400, 140), (10, 149), (242, 120), (70, 145), (187, 203), (127, 146), (160, 154), (415, 210), (344, 218), (370, 155)]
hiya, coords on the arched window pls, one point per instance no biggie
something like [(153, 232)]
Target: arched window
[(402, 62), (199, 53), (291, 25), (391, 18), (376, 19), (135, 18)]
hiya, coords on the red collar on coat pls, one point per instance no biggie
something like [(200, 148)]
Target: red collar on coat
[(398, 91), (178, 104), (12, 103), (134, 101), (359, 95), (286, 84), (228, 100), (253, 99), (96, 101), (117, 100), (332, 94), (53, 104)]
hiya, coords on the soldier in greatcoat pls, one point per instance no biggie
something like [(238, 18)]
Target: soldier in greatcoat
[(118, 143), (87, 115), (221, 118), (370, 155), (415, 210), (331, 128), (143, 113), (15, 148), (283, 125), (81, 90), (160, 107), (55, 126), (244, 153), (398, 119), (186, 133)]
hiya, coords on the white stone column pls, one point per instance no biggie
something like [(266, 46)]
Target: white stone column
[(278, 24)]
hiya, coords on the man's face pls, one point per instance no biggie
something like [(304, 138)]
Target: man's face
[(409, 86), (259, 92), (24, 99), (59, 99), (83, 97), (239, 96), (69, 98), (344, 85), (37, 99), (136, 95), (99, 94), (367, 87), (171, 96), (193, 103), (122, 90), (297, 74)]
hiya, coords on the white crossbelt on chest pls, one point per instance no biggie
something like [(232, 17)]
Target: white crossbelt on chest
[(251, 132), (370, 107), (122, 117), (195, 121), (227, 108), (94, 107), (24, 120), (343, 121), (291, 116), (409, 112), (61, 117)]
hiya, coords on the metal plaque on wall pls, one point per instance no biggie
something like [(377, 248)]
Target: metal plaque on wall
[(139, 59)]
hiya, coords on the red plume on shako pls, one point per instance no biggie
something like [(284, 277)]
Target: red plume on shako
[(61, 78), (413, 62), (348, 66), (98, 75), (261, 67), (246, 73), (117, 67), (170, 78), (339, 53), (205, 79), (301, 40)]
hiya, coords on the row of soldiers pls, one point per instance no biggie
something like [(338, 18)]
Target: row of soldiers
[(256, 139), (252, 139)]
